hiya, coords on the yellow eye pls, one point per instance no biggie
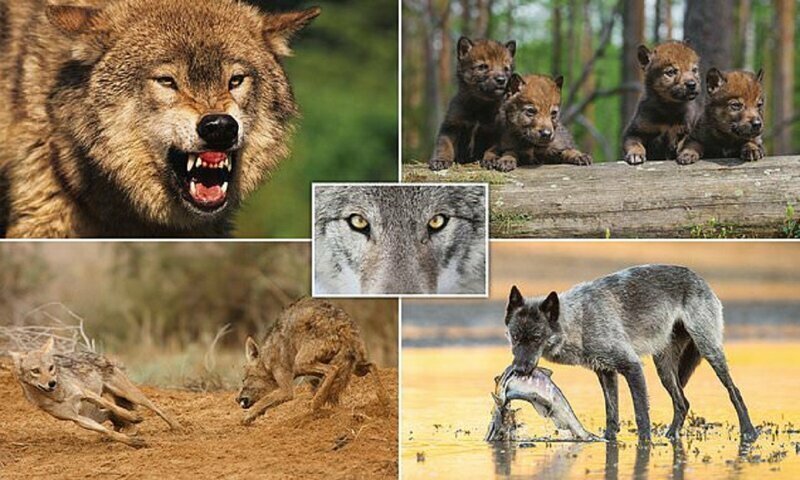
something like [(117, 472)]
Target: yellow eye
[(359, 223), (437, 223)]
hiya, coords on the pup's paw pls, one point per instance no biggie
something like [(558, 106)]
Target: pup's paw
[(635, 159), (437, 164), (580, 158), (688, 157), (506, 163), (753, 153)]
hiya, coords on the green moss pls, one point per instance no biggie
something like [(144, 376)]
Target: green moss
[(503, 224), (716, 229)]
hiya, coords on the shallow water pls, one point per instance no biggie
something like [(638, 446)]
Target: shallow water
[(446, 410)]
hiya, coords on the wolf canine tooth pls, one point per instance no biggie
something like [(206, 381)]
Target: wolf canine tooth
[(189, 164), (192, 188), (225, 187), (199, 162)]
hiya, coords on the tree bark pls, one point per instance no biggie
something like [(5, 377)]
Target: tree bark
[(555, 68), (445, 74), (783, 90), (707, 28), (587, 50), (632, 37)]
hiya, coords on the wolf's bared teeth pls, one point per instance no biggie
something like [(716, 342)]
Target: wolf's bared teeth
[(190, 163), (228, 164), (225, 187), (193, 188)]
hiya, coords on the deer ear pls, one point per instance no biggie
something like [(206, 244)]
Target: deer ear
[(464, 47), (559, 82), (760, 75), (279, 28), (515, 84), (715, 80), (550, 307), (512, 47), (251, 349), (644, 55)]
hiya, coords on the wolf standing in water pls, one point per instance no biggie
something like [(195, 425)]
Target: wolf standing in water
[(607, 324), (396, 239), (139, 118)]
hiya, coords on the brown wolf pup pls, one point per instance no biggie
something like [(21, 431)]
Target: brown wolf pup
[(311, 338), (532, 133), (140, 118), (85, 388), (668, 107), (468, 129), (733, 119)]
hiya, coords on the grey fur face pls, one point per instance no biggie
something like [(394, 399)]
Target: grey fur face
[(400, 239), (532, 326)]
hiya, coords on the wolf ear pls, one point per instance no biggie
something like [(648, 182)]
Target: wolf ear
[(464, 47), (515, 84), (760, 75), (550, 307), (84, 26), (644, 55), (559, 82), (279, 28), (715, 80), (497, 400), (16, 360), (48, 346), (512, 47), (251, 349), (515, 298)]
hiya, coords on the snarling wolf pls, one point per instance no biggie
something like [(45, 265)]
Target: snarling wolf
[(396, 239), (139, 118), (607, 324), (85, 388), (311, 338)]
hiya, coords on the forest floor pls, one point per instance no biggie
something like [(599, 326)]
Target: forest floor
[(357, 439)]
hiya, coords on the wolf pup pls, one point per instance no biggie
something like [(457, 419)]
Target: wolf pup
[(733, 119), (468, 129), (400, 239), (311, 338), (607, 324), (85, 388), (668, 107), (532, 133), (140, 118)]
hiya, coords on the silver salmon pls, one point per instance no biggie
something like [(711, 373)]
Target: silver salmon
[(539, 390)]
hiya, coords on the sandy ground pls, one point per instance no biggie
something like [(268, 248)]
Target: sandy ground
[(354, 440)]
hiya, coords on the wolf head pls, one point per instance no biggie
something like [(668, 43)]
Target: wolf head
[(736, 102), (532, 326), (258, 380), (37, 368), (400, 239), (532, 105), (484, 66), (671, 71), (183, 106)]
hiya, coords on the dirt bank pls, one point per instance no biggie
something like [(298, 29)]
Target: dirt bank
[(351, 441)]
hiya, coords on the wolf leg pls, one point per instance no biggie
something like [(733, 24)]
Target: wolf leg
[(632, 371), (720, 366), (116, 410), (667, 368), (328, 373), (380, 390), (608, 380), (119, 385), (283, 394), (90, 424)]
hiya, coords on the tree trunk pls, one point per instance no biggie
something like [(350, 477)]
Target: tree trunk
[(783, 77), (587, 50), (432, 100), (667, 14), (466, 18), (632, 37), (445, 74), (483, 17), (556, 50), (657, 21), (707, 28), (743, 13)]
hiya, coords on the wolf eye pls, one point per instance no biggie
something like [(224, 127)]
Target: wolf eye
[(35, 371), (167, 82), (236, 82), (736, 106), (52, 369), (760, 103), (530, 111), (358, 223), (482, 67), (670, 72), (554, 113), (694, 69), (437, 223)]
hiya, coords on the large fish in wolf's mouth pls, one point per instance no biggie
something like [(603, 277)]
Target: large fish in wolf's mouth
[(539, 390)]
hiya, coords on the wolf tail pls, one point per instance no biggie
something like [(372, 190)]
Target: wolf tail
[(689, 360)]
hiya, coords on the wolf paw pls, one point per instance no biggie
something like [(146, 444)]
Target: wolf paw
[(582, 159), (506, 163), (688, 157), (437, 164), (753, 153), (635, 159), (136, 442), (249, 419)]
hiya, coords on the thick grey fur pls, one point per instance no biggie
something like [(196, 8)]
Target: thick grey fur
[(607, 324)]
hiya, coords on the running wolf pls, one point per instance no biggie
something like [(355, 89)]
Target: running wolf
[(85, 388), (665, 311), (311, 338), (139, 118), (400, 239)]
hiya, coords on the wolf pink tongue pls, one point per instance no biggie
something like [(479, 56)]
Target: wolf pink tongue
[(209, 195)]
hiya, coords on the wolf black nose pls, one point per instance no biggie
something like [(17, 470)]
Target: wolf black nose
[(244, 402), (220, 131), (51, 384), (691, 85), (756, 124), (546, 134), (500, 80)]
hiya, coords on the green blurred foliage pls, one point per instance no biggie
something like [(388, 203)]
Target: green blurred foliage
[(344, 75)]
